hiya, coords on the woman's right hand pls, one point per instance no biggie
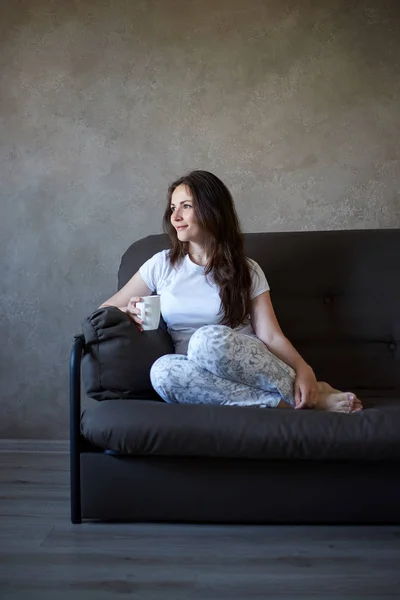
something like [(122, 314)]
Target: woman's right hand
[(133, 312)]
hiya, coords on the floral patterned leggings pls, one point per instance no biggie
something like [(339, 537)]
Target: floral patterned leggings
[(224, 367)]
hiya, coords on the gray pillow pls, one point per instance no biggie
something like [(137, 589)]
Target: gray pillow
[(117, 356)]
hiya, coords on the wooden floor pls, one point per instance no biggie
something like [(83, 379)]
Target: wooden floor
[(43, 556)]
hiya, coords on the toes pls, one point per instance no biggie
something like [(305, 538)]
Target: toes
[(349, 406), (355, 403), (344, 406), (355, 406)]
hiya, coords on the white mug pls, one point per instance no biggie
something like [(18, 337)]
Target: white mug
[(149, 312)]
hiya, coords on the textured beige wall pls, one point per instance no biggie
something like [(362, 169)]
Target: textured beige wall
[(293, 103)]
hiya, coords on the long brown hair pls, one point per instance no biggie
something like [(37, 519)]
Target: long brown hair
[(224, 245)]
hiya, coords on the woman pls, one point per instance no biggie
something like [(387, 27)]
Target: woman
[(216, 303)]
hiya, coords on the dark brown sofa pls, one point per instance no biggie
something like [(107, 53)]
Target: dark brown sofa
[(136, 458)]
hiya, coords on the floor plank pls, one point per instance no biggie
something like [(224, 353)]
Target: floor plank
[(43, 556)]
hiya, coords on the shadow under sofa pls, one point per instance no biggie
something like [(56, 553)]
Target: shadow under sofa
[(136, 458)]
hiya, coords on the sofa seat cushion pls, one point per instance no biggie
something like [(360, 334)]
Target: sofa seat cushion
[(160, 429)]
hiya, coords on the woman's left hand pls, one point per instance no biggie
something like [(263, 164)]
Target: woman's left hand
[(305, 388)]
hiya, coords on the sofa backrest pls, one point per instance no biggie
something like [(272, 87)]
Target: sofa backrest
[(336, 295)]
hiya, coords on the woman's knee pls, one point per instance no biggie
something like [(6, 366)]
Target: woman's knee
[(207, 338), (161, 369), (168, 373)]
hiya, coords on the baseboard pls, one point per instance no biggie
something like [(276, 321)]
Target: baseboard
[(48, 446)]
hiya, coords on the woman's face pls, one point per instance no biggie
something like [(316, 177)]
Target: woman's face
[(183, 216)]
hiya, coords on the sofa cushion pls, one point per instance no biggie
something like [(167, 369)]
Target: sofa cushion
[(161, 429), (117, 357)]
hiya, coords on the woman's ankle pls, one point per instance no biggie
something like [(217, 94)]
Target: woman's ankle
[(283, 404)]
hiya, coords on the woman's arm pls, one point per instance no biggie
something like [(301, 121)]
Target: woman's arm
[(135, 287), (125, 299), (267, 329)]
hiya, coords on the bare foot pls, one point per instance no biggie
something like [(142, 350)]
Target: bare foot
[(325, 388), (335, 401)]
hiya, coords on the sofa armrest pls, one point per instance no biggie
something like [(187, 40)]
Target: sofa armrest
[(75, 426)]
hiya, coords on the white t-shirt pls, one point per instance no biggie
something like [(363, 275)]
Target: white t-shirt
[(189, 299)]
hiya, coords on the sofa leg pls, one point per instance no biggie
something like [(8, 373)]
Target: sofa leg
[(76, 518), (75, 485), (75, 425)]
